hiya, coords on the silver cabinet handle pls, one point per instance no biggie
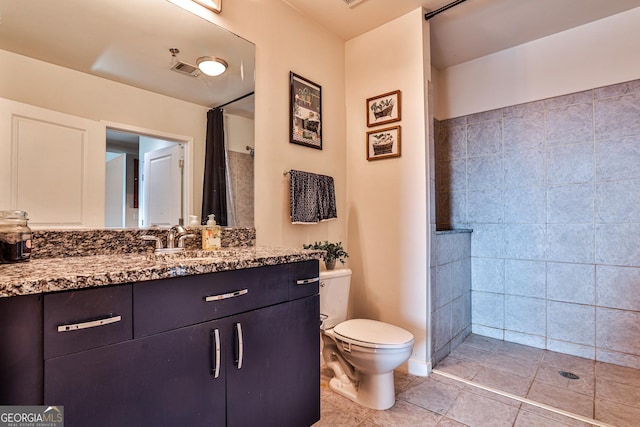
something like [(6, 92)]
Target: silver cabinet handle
[(216, 353), (240, 345), (307, 281), (90, 324), (226, 296)]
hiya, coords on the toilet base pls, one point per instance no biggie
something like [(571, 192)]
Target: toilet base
[(373, 391)]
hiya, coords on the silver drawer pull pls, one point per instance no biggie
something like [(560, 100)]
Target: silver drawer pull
[(226, 296), (91, 324), (240, 351), (216, 353), (307, 281)]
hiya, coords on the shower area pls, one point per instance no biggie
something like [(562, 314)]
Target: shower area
[(228, 187), (537, 219), (535, 266), (240, 154)]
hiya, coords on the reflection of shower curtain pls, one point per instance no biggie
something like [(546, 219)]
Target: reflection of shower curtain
[(231, 206), (214, 194)]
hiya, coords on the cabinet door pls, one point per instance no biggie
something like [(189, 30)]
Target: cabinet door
[(162, 380), (277, 380), (21, 350)]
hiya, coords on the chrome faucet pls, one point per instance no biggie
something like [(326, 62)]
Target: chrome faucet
[(175, 232)]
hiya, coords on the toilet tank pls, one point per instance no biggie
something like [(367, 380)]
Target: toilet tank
[(334, 296)]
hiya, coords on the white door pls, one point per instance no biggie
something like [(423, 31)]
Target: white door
[(161, 187), (52, 166), (116, 192)]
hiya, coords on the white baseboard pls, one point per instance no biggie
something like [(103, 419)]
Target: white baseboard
[(419, 367)]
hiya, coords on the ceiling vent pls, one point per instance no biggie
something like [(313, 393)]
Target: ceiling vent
[(186, 69), (352, 3)]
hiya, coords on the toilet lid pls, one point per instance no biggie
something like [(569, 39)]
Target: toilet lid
[(372, 333)]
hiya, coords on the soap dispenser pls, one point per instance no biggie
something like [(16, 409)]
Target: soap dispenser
[(211, 234)]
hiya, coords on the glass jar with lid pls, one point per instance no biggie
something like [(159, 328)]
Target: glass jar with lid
[(15, 237)]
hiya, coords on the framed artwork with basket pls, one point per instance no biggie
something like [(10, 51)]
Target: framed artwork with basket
[(383, 143), (383, 109)]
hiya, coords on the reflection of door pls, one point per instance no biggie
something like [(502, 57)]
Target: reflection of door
[(161, 187), (52, 166), (116, 191)]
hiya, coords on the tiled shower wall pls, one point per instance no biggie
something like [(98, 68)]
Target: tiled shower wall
[(551, 190), (241, 171), (450, 292)]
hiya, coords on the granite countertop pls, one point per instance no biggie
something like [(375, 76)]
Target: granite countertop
[(58, 274)]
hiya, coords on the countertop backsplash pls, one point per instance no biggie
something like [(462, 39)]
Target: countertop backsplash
[(107, 241)]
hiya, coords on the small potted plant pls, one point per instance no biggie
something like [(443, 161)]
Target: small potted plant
[(332, 252)]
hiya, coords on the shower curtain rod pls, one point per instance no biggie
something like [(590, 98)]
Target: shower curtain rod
[(234, 100), (433, 13)]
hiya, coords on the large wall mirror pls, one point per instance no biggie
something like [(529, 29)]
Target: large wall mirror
[(152, 47)]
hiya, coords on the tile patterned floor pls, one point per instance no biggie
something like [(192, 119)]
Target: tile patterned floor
[(460, 392)]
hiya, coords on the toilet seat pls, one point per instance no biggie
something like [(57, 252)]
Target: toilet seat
[(373, 334)]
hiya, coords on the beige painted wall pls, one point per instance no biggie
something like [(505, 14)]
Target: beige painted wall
[(593, 55), (286, 41), (387, 199)]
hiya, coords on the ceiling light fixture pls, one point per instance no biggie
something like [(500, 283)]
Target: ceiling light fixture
[(211, 66)]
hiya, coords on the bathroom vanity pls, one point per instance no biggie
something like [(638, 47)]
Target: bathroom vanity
[(228, 341)]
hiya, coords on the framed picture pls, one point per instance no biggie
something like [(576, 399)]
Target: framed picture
[(212, 5), (306, 112), (383, 143), (384, 109)]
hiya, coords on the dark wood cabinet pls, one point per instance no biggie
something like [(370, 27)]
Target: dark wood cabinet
[(239, 359), (160, 380), (278, 382), (21, 350)]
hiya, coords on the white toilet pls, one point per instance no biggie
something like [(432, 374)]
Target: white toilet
[(362, 353)]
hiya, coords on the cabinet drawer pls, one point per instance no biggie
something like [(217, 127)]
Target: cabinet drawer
[(304, 278), (162, 305), (84, 319)]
